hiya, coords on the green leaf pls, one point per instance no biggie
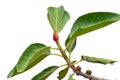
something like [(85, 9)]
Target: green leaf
[(30, 57), (70, 44), (57, 17), (63, 73), (45, 73), (97, 60), (92, 21), (71, 77), (12, 72)]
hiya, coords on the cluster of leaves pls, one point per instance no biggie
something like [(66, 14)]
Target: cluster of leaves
[(58, 17)]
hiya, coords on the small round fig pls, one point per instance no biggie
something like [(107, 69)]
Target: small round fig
[(78, 68), (89, 72)]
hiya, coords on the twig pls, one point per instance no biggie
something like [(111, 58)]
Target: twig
[(71, 65), (90, 77)]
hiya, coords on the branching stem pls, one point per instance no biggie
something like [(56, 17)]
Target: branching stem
[(71, 65), (90, 77), (65, 56)]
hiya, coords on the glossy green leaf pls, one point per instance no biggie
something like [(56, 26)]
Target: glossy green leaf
[(45, 73), (97, 60), (63, 73), (92, 21), (30, 57), (70, 44), (57, 17), (71, 77)]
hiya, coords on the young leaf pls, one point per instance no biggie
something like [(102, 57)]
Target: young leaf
[(57, 17), (30, 57), (70, 44), (97, 60), (63, 73), (92, 21), (71, 77), (45, 73)]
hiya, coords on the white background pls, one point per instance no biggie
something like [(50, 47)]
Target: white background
[(23, 22)]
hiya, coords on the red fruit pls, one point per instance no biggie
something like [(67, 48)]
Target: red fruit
[(55, 36)]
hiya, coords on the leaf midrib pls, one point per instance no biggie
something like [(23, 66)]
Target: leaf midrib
[(56, 21), (37, 53), (73, 33)]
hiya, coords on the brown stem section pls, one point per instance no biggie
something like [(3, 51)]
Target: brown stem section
[(70, 64), (90, 77)]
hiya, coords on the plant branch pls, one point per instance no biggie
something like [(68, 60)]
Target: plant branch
[(71, 65), (90, 77)]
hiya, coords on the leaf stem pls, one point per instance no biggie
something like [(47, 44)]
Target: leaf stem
[(77, 62), (56, 54), (67, 45), (63, 65), (54, 48)]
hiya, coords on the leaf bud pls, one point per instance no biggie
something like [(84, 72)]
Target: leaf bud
[(55, 36)]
